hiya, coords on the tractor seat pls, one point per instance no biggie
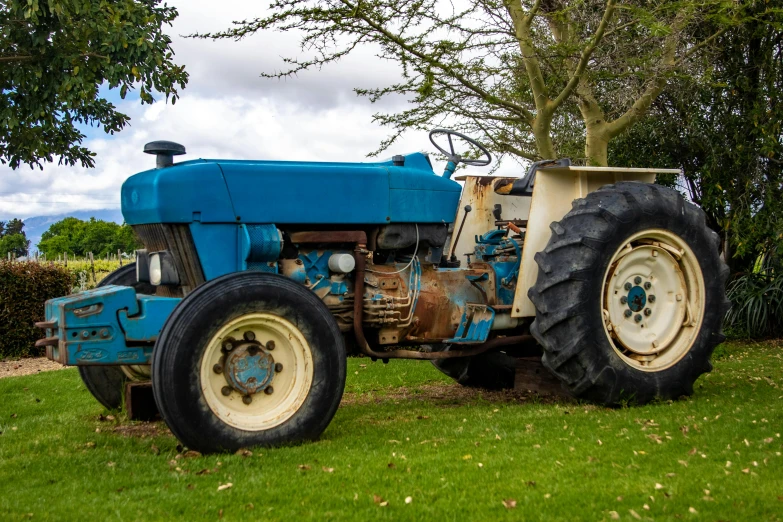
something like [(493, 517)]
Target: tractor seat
[(524, 186)]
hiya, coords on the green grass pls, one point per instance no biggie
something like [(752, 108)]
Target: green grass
[(404, 430)]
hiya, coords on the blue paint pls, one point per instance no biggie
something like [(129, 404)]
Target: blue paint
[(95, 327), (637, 298), (249, 372), (475, 324), (225, 191)]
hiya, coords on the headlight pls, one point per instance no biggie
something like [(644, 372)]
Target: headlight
[(162, 270), (142, 266)]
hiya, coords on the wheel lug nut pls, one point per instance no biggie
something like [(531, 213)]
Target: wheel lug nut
[(249, 336), (647, 311), (651, 298), (225, 390), (623, 300), (637, 280), (247, 399), (638, 318), (278, 367), (647, 285), (270, 345), (628, 286), (218, 368), (628, 313), (228, 344), (269, 390)]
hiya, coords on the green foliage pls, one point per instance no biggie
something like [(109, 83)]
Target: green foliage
[(757, 300), (77, 237), (13, 239), (15, 244), (532, 79), (722, 125), (54, 57), (24, 288)]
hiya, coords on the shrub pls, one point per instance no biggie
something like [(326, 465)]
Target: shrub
[(24, 288), (757, 300)]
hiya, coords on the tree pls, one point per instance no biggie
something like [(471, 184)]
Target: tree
[(722, 125), (519, 73), (13, 239), (76, 237), (55, 55)]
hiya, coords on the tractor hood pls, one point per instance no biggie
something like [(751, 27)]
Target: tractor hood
[(230, 191)]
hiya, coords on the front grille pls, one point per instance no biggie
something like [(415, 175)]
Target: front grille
[(178, 241)]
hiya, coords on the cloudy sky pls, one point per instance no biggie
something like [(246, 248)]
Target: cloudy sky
[(226, 111)]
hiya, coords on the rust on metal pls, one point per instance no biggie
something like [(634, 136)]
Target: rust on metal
[(44, 325), (329, 236), (47, 341)]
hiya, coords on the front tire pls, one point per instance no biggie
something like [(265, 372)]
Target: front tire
[(606, 334), (215, 375)]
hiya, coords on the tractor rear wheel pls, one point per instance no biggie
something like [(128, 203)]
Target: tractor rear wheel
[(630, 295), (248, 359), (107, 383)]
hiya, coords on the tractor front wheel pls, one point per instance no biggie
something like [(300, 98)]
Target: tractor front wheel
[(630, 295), (248, 359)]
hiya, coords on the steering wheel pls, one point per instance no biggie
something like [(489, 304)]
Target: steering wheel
[(452, 156)]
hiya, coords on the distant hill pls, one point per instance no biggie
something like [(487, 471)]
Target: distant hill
[(34, 227)]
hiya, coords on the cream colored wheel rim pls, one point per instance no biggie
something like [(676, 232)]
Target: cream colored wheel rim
[(653, 300), (291, 385)]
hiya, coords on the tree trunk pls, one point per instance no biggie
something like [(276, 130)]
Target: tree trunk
[(541, 131), (597, 146)]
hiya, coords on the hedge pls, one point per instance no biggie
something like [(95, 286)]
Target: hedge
[(24, 288)]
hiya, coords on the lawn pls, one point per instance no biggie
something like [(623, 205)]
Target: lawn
[(407, 444)]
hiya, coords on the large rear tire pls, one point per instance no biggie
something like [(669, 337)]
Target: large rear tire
[(107, 383), (248, 359), (630, 295)]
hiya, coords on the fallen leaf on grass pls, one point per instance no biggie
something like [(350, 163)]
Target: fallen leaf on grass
[(614, 515), (244, 452), (658, 486), (510, 503), (467, 457), (646, 507), (304, 467), (395, 442), (111, 464), (191, 454), (408, 500), (693, 451), (328, 470), (692, 510), (225, 486), (683, 463), (379, 500), (391, 465), (634, 514), (90, 444), (746, 470)]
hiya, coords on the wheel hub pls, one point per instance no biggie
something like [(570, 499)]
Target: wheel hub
[(637, 298), (249, 369)]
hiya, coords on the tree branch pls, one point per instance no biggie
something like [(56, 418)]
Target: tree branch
[(532, 67), (585, 57), (400, 42)]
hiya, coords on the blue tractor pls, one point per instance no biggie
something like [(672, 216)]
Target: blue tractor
[(258, 278)]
